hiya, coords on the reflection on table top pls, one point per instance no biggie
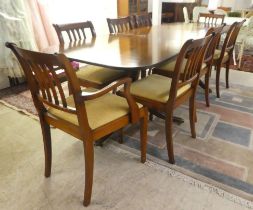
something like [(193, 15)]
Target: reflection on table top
[(137, 49)]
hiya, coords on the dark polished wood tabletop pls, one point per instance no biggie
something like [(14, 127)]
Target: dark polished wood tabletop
[(134, 50)]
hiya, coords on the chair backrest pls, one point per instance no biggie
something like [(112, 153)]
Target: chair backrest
[(234, 35), (196, 11), (74, 31), (143, 20), (119, 25), (193, 52), (44, 84), (186, 16), (211, 19), (216, 31)]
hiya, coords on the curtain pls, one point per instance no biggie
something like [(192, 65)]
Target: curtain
[(14, 27), (45, 35)]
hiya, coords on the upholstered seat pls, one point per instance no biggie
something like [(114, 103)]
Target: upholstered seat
[(217, 55), (158, 91), (96, 108), (98, 75)]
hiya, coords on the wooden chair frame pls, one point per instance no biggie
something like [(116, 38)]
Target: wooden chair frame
[(208, 60), (211, 19), (143, 20), (194, 50), (75, 31), (119, 25), (47, 92), (227, 47)]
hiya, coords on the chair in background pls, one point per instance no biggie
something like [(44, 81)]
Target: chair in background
[(88, 115), (186, 15), (119, 25), (225, 55), (89, 75), (211, 19), (162, 94), (196, 11), (220, 12), (143, 20)]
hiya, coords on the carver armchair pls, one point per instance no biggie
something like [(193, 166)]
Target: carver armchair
[(88, 114)]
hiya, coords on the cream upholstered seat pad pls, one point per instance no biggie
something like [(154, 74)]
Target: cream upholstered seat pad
[(155, 87), (170, 66), (217, 55), (100, 111), (98, 74)]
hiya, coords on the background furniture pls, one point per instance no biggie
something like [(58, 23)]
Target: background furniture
[(131, 7), (88, 115)]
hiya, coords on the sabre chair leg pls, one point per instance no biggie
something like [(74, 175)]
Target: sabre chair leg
[(89, 165), (47, 146), (207, 89), (121, 134), (218, 81), (227, 75), (143, 135), (192, 115), (169, 139)]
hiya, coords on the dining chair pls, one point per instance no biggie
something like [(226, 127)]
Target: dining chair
[(88, 114), (224, 55), (119, 25), (143, 20), (211, 19), (162, 94), (89, 75), (169, 67)]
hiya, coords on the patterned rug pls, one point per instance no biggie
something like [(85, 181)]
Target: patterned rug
[(222, 153)]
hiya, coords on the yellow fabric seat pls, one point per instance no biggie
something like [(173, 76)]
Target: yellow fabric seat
[(100, 111), (155, 87), (99, 75), (217, 55), (170, 66)]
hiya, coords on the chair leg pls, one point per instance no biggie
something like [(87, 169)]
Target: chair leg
[(227, 75), (143, 135), (89, 165), (218, 81), (207, 89), (169, 139), (121, 134), (47, 146), (192, 115)]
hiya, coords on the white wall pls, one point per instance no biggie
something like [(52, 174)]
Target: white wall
[(67, 11)]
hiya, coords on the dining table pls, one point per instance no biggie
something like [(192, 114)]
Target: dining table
[(133, 50)]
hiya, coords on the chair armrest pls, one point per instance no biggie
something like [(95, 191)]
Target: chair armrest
[(134, 110)]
